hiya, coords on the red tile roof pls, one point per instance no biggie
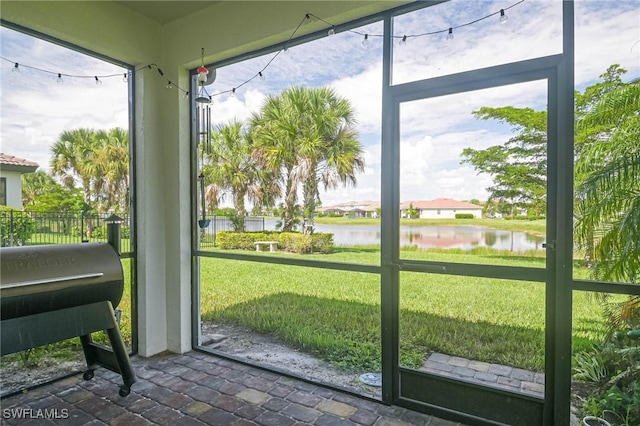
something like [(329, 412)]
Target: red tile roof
[(439, 203), (16, 161)]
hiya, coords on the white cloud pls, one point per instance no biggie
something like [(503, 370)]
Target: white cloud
[(35, 110)]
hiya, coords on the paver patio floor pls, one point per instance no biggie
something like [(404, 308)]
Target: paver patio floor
[(198, 389)]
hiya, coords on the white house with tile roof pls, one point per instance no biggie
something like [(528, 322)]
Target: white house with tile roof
[(11, 170), (441, 208)]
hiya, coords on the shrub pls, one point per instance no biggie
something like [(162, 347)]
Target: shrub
[(17, 227), (97, 232), (615, 366), (531, 217), (464, 216), (294, 242)]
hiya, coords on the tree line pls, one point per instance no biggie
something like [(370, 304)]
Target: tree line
[(89, 171)]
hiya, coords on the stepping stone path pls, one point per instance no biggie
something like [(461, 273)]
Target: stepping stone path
[(487, 374)]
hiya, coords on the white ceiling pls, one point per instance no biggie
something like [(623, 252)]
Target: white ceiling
[(166, 11)]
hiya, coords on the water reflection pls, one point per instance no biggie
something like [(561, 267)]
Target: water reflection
[(445, 237)]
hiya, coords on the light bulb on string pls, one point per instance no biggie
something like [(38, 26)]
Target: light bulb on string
[(450, 34), (365, 42), (59, 79), (98, 81), (169, 84), (233, 92), (16, 68), (503, 17), (125, 78), (403, 42), (332, 31), (262, 78)]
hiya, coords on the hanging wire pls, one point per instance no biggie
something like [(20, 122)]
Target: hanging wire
[(261, 73)]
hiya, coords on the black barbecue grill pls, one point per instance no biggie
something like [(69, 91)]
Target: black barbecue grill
[(55, 292)]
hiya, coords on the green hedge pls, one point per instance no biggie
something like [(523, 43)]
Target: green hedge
[(464, 216), (100, 232), (22, 230), (288, 241)]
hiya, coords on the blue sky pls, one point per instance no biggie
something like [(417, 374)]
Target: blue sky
[(35, 109)]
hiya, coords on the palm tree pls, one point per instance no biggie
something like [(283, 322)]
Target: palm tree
[(307, 134), (72, 156), (336, 154), (110, 169), (230, 169), (608, 206), (278, 138)]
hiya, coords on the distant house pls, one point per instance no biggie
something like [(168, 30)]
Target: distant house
[(352, 209), (440, 208), (11, 169), (330, 211)]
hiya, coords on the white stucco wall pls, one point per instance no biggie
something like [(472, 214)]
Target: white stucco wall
[(448, 213), (14, 188)]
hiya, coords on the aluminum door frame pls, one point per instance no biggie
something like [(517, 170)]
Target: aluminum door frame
[(557, 70)]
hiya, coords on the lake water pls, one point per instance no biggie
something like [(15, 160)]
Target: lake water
[(446, 237)]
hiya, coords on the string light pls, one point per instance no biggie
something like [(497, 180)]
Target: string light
[(308, 17), (365, 42), (233, 92), (503, 17)]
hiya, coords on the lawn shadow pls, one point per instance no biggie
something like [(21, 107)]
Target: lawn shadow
[(347, 333)]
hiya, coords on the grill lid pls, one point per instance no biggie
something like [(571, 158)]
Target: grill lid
[(35, 279)]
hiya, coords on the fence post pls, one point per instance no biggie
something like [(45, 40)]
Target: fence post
[(11, 228), (214, 229), (82, 234)]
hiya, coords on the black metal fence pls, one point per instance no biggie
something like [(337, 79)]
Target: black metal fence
[(224, 223), (36, 228)]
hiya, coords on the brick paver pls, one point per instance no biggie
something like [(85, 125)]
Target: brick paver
[(199, 389), (496, 375)]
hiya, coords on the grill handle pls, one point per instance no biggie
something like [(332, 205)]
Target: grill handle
[(53, 280)]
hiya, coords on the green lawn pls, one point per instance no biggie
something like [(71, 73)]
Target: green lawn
[(336, 314)]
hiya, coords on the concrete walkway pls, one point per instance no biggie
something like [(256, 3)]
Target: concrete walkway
[(199, 389), (484, 373)]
